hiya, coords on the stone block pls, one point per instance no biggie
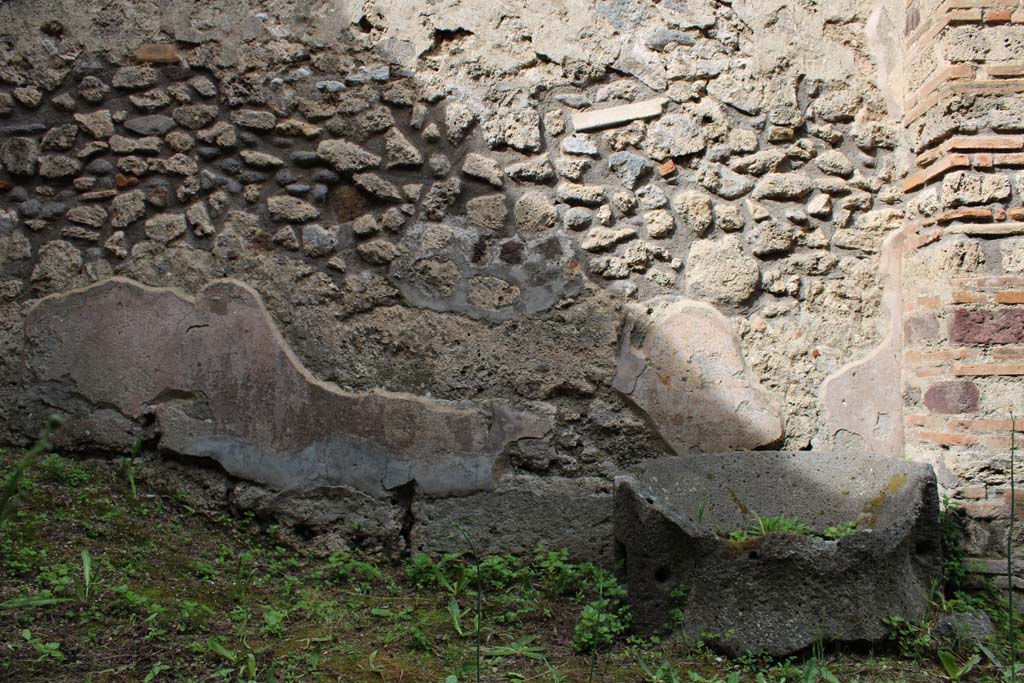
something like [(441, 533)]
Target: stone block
[(520, 513), (778, 593)]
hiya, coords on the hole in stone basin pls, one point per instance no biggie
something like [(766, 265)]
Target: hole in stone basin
[(924, 548), (304, 531), (662, 574)]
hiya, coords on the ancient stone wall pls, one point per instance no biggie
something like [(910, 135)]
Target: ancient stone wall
[(487, 251)]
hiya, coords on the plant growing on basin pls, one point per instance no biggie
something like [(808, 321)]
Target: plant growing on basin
[(763, 526)]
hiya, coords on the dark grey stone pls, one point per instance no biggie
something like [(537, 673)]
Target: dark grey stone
[(779, 593), (53, 209), (232, 166), (298, 189), (304, 159), (30, 208), (326, 176), (964, 629), (23, 129), (150, 125), (247, 177), (19, 156), (285, 177), (100, 167), (628, 167), (207, 153), (520, 513)]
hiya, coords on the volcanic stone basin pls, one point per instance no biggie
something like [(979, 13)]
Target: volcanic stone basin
[(779, 593)]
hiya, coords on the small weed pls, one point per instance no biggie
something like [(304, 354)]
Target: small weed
[(762, 526), (520, 648), (13, 484), (678, 598), (87, 585), (781, 524), (344, 567), (128, 467), (834, 533), (954, 565), (63, 471), (45, 650), (955, 669), (695, 677), (601, 622), (374, 667), (913, 640), (157, 669), (664, 672), (273, 621)]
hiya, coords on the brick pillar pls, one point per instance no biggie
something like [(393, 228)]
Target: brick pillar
[(963, 267)]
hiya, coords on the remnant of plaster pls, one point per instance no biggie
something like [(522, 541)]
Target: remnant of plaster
[(689, 377), (223, 384), (863, 399)]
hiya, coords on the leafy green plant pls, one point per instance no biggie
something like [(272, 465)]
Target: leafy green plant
[(374, 666), (814, 671), (601, 622), (557, 576), (157, 669), (695, 677), (420, 570), (46, 650), (913, 640), (457, 613), (218, 649), (834, 533), (344, 567), (664, 672), (273, 620), (762, 526), (781, 524), (954, 669), (63, 471), (678, 598), (954, 566), (522, 647)]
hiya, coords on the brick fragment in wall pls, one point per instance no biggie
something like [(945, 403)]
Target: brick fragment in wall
[(952, 397), (987, 327)]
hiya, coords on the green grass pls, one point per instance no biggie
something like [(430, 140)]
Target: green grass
[(103, 583), (763, 526)]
